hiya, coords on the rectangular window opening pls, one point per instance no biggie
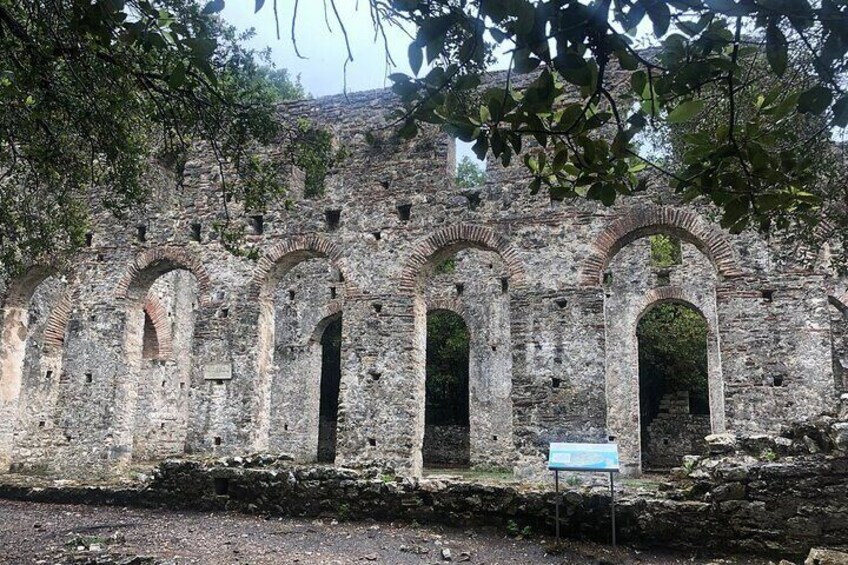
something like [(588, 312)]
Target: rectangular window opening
[(89, 378), (141, 233), (89, 239), (768, 295), (195, 231), (665, 250), (334, 218), (404, 212), (257, 224)]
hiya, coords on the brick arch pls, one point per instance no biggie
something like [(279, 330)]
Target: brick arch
[(22, 288), (670, 294), (455, 238), (331, 312), (158, 315), (286, 254), (650, 220), (57, 322), (156, 262), (449, 304)]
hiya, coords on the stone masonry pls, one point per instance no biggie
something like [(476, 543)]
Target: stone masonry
[(155, 341)]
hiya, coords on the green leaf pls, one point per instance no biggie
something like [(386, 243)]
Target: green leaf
[(259, 4), (776, 48), (815, 100), (177, 78), (213, 7), (416, 57), (685, 111), (659, 15)]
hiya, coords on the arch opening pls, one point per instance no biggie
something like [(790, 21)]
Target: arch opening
[(32, 331), (331, 378), (462, 279), (302, 326), (161, 320), (446, 413), (674, 400)]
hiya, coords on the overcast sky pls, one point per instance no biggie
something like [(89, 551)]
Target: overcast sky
[(323, 71)]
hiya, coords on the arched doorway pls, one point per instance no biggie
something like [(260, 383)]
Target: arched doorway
[(32, 330), (305, 373), (331, 378), (674, 403), (446, 413)]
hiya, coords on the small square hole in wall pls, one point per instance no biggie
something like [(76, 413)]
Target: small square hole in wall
[(333, 292), (404, 212), (561, 302), (768, 295), (377, 235), (41, 424), (221, 484), (257, 224), (225, 312), (219, 382), (608, 278), (665, 441), (777, 380), (494, 348), (48, 375), (375, 375), (494, 438), (372, 442), (141, 233), (504, 285), (89, 378), (556, 382), (89, 239), (334, 218), (378, 307), (182, 386), (285, 427), (195, 231), (163, 384), (217, 440), (162, 426), (460, 288), (291, 295)]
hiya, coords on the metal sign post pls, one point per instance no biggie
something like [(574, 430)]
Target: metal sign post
[(584, 457)]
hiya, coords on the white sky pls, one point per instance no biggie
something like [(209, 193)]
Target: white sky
[(322, 72)]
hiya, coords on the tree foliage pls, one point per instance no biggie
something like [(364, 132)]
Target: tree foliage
[(447, 369), (96, 94), (469, 174), (672, 355), (592, 91)]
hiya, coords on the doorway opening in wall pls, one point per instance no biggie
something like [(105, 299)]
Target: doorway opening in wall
[(446, 414), (331, 375), (674, 405)]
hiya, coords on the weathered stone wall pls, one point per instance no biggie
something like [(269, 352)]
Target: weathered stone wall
[(674, 432), (446, 446), (552, 349)]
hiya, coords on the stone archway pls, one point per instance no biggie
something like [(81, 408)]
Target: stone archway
[(16, 347), (153, 416), (490, 384), (650, 220), (273, 430)]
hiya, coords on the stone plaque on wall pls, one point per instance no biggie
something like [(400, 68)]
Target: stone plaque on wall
[(218, 371)]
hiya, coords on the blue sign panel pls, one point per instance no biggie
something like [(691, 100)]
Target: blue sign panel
[(584, 457)]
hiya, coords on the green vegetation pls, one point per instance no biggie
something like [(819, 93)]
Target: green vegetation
[(447, 369), (665, 250), (469, 174), (672, 357)]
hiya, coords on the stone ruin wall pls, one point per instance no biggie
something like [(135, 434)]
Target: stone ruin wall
[(136, 350)]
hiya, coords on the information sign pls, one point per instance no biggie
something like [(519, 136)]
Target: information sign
[(602, 457)]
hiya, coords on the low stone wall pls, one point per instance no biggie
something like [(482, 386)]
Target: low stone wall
[(790, 498), (446, 446)]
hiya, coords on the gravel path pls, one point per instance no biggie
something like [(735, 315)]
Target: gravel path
[(59, 534)]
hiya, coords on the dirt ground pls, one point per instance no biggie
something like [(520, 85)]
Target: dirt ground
[(58, 534)]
